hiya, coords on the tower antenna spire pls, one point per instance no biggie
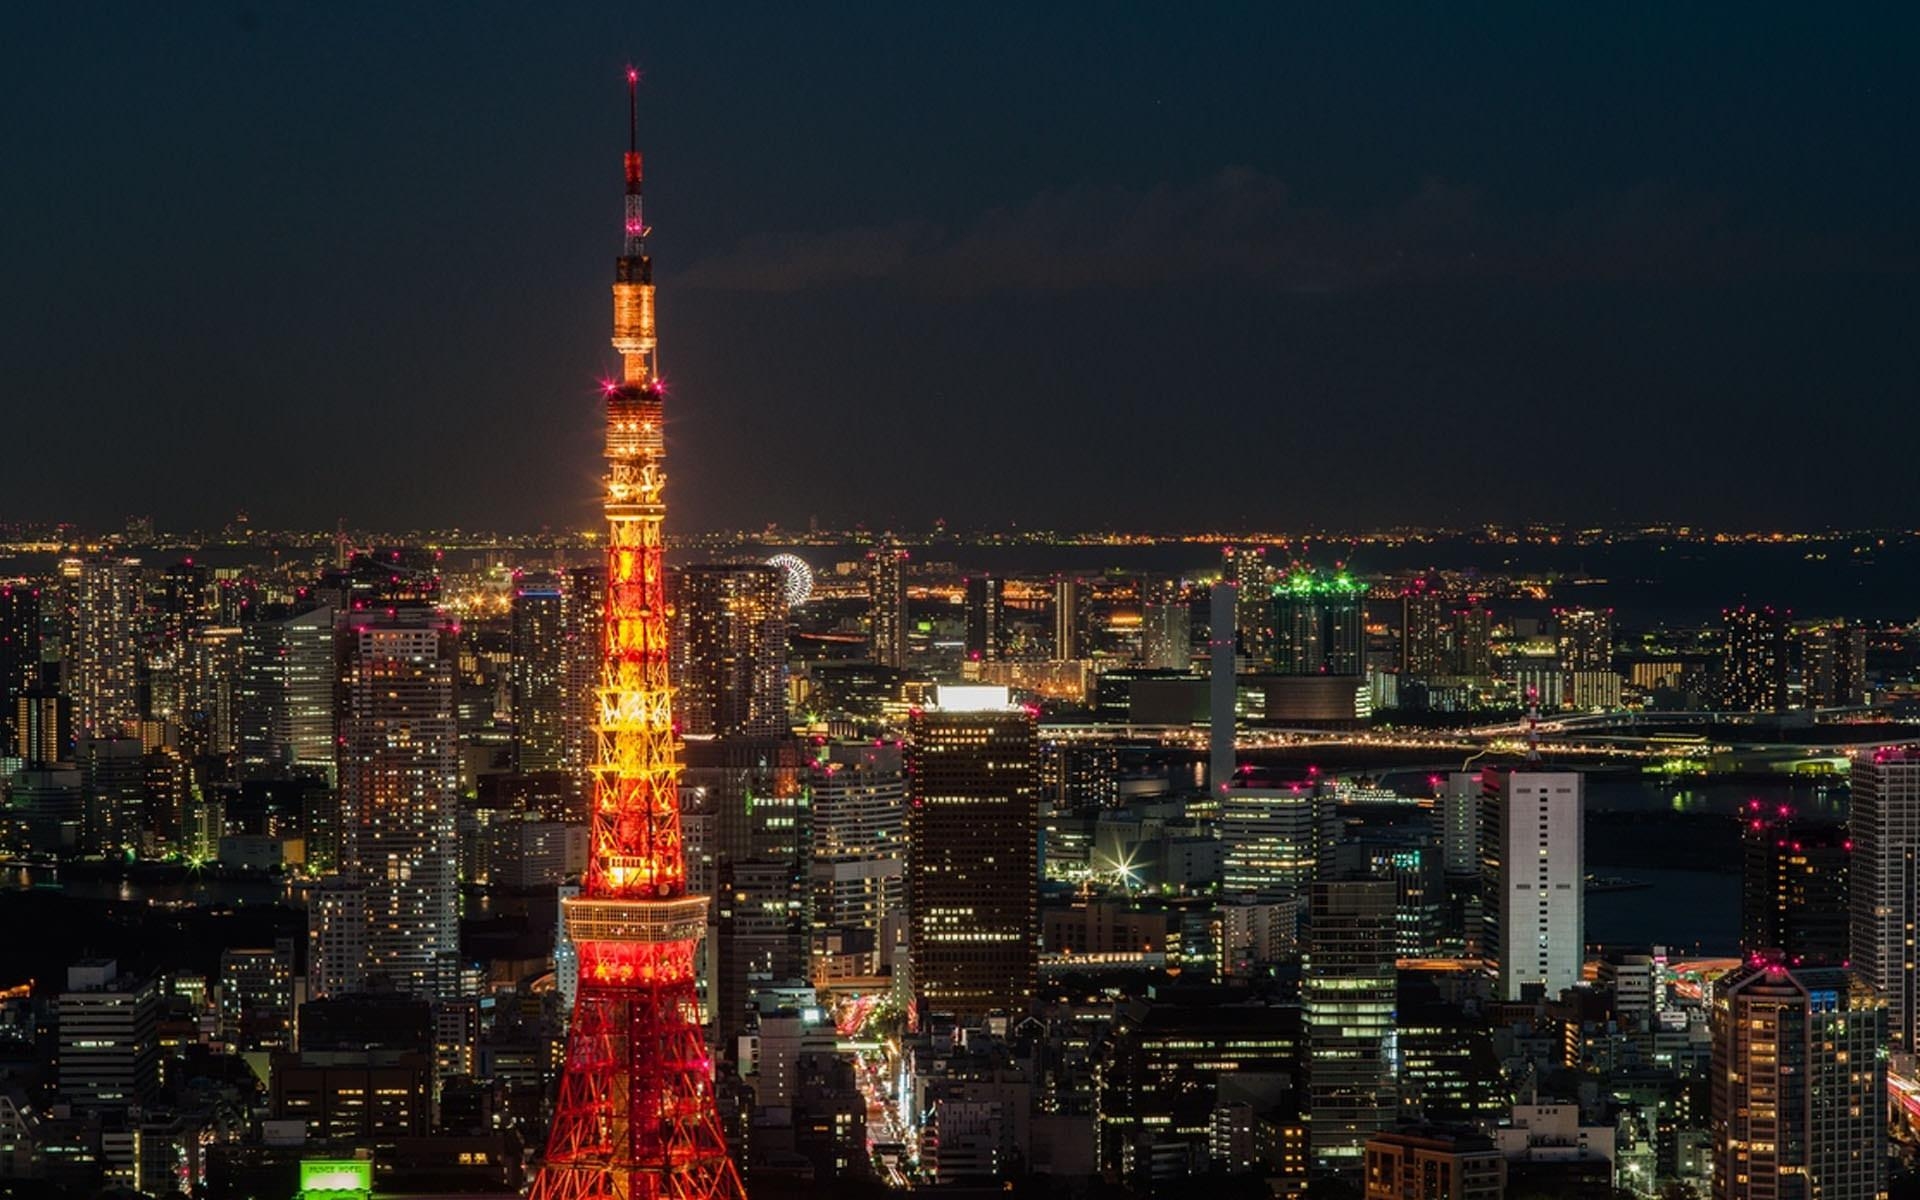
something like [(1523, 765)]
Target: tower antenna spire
[(636, 226)]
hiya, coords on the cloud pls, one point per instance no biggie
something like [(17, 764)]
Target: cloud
[(1243, 226)]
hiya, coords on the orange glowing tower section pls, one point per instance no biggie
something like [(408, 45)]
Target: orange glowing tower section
[(636, 1118)]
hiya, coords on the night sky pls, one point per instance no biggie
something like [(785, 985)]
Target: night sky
[(1118, 265)]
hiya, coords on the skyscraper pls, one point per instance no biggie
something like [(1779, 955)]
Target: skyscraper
[(337, 937), (1585, 638), (1069, 620), (399, 772), (1222, 685), (986, 618), (887, 604), (859, 836), (1793, 893), (1459, 812), (109, 1042), (1753, 670), (19, 652), (1833, 665), (210, 720), (1272, 837), (1883, 820), (43, 727), (113, 782), (1423, 630), (1247, 569), (636, 1117), (539, 675), (1532, 851), (1472, 650), (583, 609), (730, 646), (285, 701), (178, 603), (1318, 624), (1166, 627), (105, 655), (973, 824), (1799, 1085), (1349, 992)]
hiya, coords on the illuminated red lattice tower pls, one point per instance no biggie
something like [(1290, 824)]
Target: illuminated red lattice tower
[(636, 1117)]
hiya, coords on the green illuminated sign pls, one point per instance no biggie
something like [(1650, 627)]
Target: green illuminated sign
[(324, 1178)]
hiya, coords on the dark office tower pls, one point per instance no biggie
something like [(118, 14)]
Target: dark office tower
[(1883, 903), (179, 601), (1833, 665), (730, 645), (1472, 651), (1069, 620), (1423, 630), (1318, 625), (1246, 567), (19, 652), (1799, 1085), (1753, 669), (887, 604), (1349, 993), (583, 608), (1793, 896), (1166, 627), (986, 618), (972, 845), (284, 698), (43, 727), (539, 676), (104, 658), (1585, 637), (399, 783), (114, 792), (109, 1053)]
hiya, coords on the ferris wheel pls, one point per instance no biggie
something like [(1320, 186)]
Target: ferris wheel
[(796, 577)]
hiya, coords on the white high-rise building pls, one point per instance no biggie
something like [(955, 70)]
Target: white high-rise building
[(1532, 856), (1884, 904)]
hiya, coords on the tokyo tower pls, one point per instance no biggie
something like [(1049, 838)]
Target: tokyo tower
[(636, 1117)]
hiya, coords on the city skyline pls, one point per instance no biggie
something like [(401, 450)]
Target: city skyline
[(1368, 218), (873, 852)]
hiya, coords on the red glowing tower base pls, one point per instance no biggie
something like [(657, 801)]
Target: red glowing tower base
[(636, 1117)]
